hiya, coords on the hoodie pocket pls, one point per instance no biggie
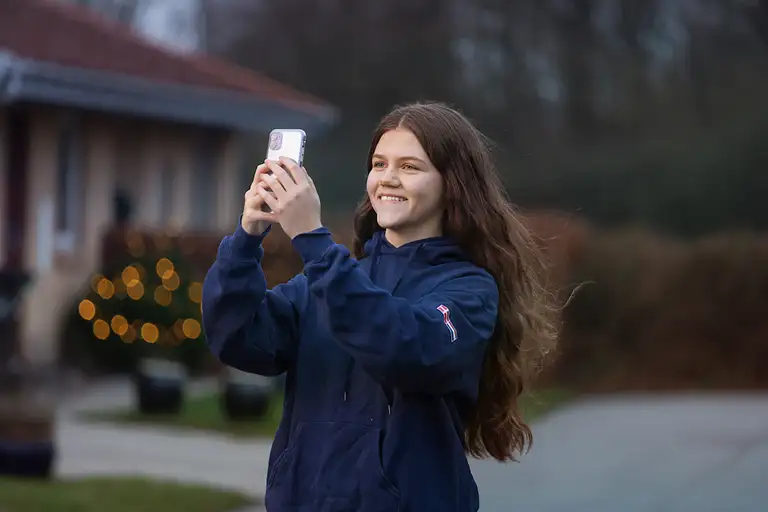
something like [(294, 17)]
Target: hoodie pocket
[(272, 472), (332, 466)]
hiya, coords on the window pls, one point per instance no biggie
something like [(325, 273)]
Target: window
[(128, 175), (167, 193), (69, 176), (204, 188)]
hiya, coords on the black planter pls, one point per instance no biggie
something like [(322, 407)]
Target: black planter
[(160, 387), (31, 459), (13, 285), (245, 396), (27, 409), (27, 421)]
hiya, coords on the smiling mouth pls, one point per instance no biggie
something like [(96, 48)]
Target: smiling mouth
[(392, 199)]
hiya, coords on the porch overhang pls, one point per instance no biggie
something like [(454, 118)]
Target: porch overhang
[(30, 81)]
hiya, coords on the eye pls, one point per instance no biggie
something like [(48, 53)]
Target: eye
[(378, 164), (410, 167)]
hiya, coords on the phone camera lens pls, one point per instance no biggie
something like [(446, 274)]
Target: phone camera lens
[(275, 140)]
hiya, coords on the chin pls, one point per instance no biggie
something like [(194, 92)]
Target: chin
[(388, 222)]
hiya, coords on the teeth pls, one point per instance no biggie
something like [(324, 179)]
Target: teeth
[(392, 198)]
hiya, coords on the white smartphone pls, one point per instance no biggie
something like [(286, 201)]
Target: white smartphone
[(286, 142)]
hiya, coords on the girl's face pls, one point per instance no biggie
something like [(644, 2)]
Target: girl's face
[(405, 189)]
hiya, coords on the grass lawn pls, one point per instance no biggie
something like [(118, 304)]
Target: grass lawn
[(539, 402), (203, 413), (200, 413), (115, 495)]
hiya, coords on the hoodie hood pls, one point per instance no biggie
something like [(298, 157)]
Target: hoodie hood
[(432, 251)]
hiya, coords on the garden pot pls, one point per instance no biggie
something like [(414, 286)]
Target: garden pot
[(245, 396), (160, 386), (27, 458), (27, 420)]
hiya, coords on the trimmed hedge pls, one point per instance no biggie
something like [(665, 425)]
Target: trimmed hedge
[(658, 313), (651, 312)]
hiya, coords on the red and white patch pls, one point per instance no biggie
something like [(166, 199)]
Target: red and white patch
[(447, 320)]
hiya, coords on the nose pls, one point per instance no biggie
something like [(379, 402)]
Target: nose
[(390, 177)]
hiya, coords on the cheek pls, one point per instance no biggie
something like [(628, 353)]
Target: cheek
[(371, 185), (431, 194)]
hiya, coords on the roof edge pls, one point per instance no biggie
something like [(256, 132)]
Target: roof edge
[(7, 73), (46, 82)]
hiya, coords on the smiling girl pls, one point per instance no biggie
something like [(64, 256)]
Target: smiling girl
[(408, 354)]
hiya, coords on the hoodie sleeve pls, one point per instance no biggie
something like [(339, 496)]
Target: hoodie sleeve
[(436, 345), (247, 326)]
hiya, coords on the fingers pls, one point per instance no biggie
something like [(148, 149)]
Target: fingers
[(280, 175), (276, 184), (285, 169), (260, 171), (253, 216), (299, 174), (252, 198), (271, 184), (253, 201), (253, 210), (268, 198)]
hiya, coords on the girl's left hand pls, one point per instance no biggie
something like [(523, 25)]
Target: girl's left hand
[(293, 200)]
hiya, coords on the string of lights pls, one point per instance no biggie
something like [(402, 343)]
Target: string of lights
[(132, 283)]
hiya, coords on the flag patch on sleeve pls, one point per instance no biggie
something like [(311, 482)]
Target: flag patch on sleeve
[(447, 321)]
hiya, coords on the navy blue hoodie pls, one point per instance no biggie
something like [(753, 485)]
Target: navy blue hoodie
[(383, 360)]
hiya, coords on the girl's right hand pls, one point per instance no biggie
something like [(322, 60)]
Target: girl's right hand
[(255, 220)]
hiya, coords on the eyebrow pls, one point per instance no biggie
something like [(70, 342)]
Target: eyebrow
[(382, 157)]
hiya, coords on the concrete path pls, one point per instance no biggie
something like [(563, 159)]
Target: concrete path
[(198, 458), (202, 458), (624, 454), (639, 454)]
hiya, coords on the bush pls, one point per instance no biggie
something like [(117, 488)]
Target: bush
[(110, 337), (652, 313), (658, 313), (145, 302)]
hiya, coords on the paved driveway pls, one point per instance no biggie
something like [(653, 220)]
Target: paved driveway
[(196, 457), (639, 454), (703, 453)]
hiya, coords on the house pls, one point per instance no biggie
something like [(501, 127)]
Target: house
[(179, 25), (90, 111)]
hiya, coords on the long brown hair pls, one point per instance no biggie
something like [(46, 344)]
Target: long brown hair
[(480, 218)]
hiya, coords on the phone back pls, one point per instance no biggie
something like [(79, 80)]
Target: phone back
[(287, 143)]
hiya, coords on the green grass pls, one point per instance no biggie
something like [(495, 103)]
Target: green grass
[(113, 495), (537, 403), (200, 413), (203, 413)]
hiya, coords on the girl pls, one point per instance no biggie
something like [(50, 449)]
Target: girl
[(404, 357)]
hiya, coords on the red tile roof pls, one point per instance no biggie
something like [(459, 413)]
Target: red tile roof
[(71, 35)]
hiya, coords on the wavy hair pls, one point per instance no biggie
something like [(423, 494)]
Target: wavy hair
[(481, 219)]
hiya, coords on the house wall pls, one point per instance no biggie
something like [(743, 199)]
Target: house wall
[(115, 152), (42, 302)]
